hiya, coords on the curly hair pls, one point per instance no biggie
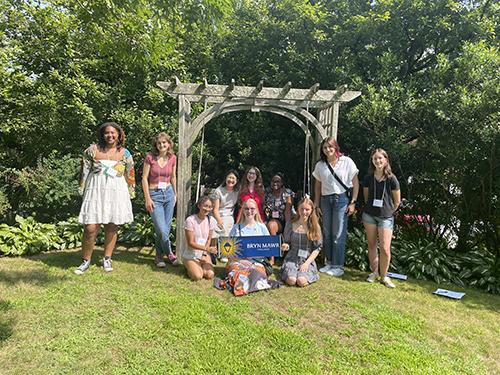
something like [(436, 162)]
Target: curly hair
[(121, 135)]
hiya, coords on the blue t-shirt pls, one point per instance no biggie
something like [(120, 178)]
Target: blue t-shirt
[(242, 230)]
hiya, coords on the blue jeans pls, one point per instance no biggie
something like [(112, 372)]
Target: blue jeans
[(164, 201), (334, 227)]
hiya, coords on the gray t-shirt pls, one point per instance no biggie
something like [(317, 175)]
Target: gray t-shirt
[(227, 200), (380, 190)]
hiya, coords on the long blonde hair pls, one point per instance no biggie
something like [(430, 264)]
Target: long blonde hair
[(313, 228), (241, 219)]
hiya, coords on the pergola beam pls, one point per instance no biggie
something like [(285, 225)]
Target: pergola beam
[(217, 93)]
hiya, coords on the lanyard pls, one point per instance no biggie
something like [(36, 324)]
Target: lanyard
[(375, 188)]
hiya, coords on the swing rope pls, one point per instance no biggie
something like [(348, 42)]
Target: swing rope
[(307, 165), (198, 184)]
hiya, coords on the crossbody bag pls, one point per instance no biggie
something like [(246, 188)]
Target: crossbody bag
[(348, 190)]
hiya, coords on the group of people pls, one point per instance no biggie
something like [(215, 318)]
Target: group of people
[(241, 208)]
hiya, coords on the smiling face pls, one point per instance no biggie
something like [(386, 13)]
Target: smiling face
[(305, 210), (329, 149), (231, 180), (252, 175), (276, 183), (249, 209), (205, 207), (163, 145), (110, 136), (379, 161)]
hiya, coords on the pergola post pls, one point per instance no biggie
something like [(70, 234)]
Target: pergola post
[(184, 169)]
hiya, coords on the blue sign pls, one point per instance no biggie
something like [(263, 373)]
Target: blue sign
[(250, 247)]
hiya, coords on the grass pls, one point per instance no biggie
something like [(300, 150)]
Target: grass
[(141, 320)]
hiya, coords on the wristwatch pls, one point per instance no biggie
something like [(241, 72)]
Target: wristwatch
[(353, 202)]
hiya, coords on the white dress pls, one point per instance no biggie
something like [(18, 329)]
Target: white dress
[(106, 198)]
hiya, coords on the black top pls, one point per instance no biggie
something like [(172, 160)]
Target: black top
[(383, 190)]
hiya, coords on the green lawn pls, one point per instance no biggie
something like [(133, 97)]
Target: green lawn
[(140, 320)]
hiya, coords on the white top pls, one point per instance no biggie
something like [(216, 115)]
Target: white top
[(227, 200), (345, 169)]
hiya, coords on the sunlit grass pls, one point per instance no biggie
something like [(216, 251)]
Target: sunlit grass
[(139, 319)]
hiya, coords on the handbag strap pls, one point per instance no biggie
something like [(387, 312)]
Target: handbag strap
[(336, 177)]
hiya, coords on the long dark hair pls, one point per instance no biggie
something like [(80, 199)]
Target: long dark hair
[(387, 171), (121, 135), (332, 142)]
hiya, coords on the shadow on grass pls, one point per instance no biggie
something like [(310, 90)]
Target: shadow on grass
[(6, 324), (29, 276), (69, 260)]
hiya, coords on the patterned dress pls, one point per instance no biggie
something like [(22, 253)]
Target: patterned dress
[(107, 187), (274, 207)]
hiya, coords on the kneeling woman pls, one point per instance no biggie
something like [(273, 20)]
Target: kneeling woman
[(248, 275), (302, 238), (199, 229)]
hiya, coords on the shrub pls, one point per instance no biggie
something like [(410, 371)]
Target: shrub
[(482, 270), (357, 250), (48, 191), (28, 237)]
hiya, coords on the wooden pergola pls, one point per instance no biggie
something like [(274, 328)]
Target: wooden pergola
[(294, 104)]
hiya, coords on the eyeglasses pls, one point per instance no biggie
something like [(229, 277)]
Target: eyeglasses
[(251, 173), (249, 208)]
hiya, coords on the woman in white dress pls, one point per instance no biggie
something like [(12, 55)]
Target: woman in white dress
[(107, 184)]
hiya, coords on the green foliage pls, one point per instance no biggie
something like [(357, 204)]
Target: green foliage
[(425, 259), (356, 252), (49, 190), (481, 270), (70, 232), (4, 203), (140, 232), (28, 237)]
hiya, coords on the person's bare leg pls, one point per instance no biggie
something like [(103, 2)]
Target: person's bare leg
[(110, 238), (88, 242)]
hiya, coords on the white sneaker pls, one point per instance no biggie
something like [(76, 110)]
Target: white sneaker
[(325, 268), (388, 282), (336, 272), (83, 267), (372, 277), (107, 265), (161, 264)]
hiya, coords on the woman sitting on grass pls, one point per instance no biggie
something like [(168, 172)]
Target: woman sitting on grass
[(302, 237), (198, 229)]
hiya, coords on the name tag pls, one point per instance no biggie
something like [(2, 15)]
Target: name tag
[(275, 214), (162, 185), (303, 253), (201, 241), (378, 203), (111, 172)]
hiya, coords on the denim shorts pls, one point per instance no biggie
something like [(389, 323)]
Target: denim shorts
[(380, 222)]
